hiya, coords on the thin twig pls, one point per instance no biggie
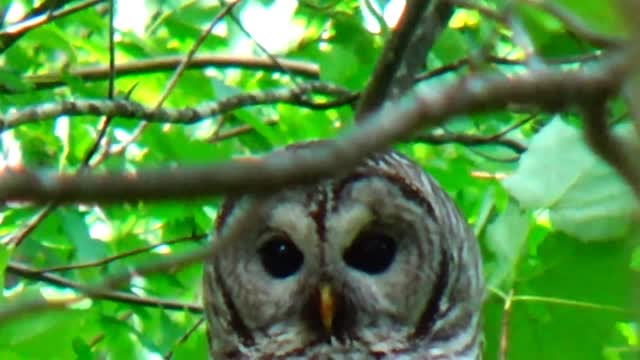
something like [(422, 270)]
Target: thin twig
[(11, 34), (120, 256), (504, 332), (271, 57), (104, 123), (192, 52), (184, 337), (98, 338), (173, 81), (573, 303), (470, 140), (19, 235), (103, 291), (433, 139), (100, 293), (165, 63)]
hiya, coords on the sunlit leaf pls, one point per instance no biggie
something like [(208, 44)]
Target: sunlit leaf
[(584, 196)]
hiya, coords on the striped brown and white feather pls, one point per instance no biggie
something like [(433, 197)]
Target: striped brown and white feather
[(425, 306)]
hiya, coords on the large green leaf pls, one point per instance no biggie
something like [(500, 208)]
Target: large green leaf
[(585, 197), (47, 335), (568, 305)]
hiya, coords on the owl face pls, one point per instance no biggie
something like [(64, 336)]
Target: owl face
[(366, 265)]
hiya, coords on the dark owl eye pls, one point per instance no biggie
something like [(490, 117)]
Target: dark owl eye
[(371, 252), (280, 257)]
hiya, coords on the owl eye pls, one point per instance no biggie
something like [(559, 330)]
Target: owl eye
[(280, 257), (371, 252)]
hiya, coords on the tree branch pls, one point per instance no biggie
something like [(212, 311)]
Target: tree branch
[(36, 18), (620, 154), (546, 89), (169, 63), (184, 338), (110, 259), (95, 293), (134, 110), (504, 326), (470, 140), (391, 61), (433, 139)]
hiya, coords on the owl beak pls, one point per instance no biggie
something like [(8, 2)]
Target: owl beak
[(327, 306)]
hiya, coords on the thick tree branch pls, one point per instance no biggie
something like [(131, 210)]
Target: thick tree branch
[(390, 62), (546, 89), (433, 21), (620, 154)]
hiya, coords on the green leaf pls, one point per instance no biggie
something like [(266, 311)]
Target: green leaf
[(13, 82), (194, 348), (635, 259), (351, 56), (119, 338), (4, 259), (584, 195), (548, 34), (43, 334), (569, 306), (75, 228), (82, 349), (450, 46), (600, 16), (506, 239)]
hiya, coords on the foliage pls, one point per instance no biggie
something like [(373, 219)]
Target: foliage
[(556, 223)]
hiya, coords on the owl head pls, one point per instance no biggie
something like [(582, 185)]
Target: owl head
[(375, 263)]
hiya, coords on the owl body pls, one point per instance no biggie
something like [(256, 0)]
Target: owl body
[(374, 264)]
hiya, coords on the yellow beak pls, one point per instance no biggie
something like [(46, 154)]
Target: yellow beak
[(327, 306)]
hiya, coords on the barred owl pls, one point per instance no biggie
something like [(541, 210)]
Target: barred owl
[(376, 263)]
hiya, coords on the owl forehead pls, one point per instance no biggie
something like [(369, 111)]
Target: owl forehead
[(379, 182)]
